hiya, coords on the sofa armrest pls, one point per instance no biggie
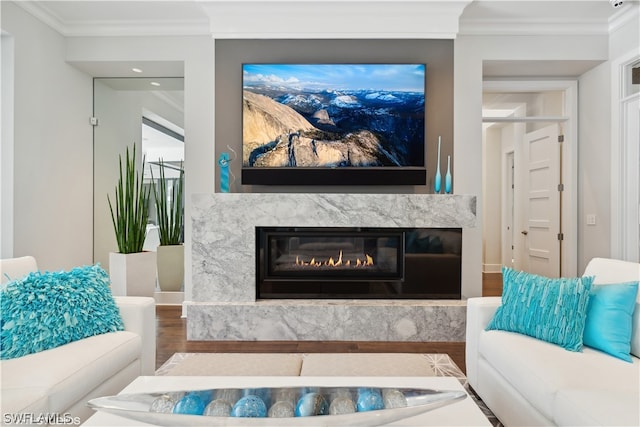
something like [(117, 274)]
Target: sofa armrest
[(16, 268), (480, 311), (139, 316)]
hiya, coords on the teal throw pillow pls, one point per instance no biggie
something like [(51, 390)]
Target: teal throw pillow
[(553, 310), (45, 310), (609, 318)]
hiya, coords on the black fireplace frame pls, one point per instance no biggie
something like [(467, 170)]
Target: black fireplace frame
[(406, 285)]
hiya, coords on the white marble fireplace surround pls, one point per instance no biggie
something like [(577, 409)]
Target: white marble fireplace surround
[(224, 305)]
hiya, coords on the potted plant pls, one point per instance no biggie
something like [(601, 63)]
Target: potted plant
[(170, 217), (132, 270)]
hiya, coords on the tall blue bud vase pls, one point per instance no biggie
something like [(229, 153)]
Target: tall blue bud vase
[(447, 178), (438, 180), (223, 161)]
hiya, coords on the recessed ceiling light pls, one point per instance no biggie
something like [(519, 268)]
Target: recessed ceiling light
[(155, 84), (136, 70)]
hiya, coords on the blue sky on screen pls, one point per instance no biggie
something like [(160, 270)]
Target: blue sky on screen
[(389, 77)]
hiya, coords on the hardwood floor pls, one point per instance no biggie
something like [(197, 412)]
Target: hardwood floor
[(171, 338), (491, 284)]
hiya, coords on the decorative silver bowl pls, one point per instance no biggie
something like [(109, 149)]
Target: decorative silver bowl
[(277, 406)]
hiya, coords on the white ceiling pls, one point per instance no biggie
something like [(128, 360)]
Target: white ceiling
[(125, 68), (536, 69)]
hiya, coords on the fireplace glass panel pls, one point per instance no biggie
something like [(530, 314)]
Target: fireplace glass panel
[(329, 254)]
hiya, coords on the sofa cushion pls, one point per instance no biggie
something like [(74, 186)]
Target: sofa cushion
[(553, 310), (609, 318), (64, 371), (46, 310), (538, 370), (16, 268), (580, 407), (635, 330), (23, 400), (617, 271)]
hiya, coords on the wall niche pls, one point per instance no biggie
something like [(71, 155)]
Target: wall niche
[(230, 54)]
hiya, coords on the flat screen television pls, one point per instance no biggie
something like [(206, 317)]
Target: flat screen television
[(333, 124)]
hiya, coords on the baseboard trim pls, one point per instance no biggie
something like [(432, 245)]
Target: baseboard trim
[(491, 268), (168, 298)]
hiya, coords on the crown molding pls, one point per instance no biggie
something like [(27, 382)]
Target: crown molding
[(165, 27), (539, 23), (627, 13), (533, 26), (330, 19), (335, 19), (43, 13), (138, 28)]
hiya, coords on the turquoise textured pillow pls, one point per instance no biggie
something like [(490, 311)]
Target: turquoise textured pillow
[(46, 310), (609, 318), (553, 310)]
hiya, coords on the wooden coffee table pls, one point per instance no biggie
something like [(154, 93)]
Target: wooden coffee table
[(461, 413)]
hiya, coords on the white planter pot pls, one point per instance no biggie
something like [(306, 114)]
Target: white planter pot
[(170, 267), (133, 274)]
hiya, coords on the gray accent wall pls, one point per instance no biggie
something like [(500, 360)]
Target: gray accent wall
[(230, 54)]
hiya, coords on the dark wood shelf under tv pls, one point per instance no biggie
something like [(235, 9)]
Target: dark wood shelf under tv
[(335, 176)]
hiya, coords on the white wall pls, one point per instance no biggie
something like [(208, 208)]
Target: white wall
[(594, 164), (6, 149), (52, 147), (600, 153), (492, 195)]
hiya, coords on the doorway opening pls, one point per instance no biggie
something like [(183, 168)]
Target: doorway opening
[(163, 150), (147, 112), (529, 185)]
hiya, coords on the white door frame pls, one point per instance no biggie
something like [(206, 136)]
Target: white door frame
[(569, 197), (625, 197), (508, 220)]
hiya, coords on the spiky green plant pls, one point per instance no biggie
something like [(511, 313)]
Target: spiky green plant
[(131, 207), (170, 213)]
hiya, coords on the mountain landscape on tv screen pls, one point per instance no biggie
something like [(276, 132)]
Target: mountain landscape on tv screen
[(292, 123)]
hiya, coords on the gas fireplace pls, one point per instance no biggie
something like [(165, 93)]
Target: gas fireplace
[(352, 262)]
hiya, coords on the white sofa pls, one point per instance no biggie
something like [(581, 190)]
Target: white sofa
[(61, 380), (529, 382)]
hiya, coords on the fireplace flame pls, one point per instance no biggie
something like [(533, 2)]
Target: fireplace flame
[(331, 262)]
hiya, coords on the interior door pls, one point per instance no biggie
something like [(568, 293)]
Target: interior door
[(541, 233)]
